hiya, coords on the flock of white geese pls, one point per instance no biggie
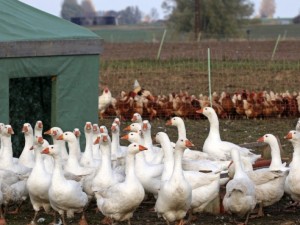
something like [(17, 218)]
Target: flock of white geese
[(182, 181)]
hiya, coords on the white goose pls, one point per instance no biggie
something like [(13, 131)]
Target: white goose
[(39, 181), (240, 191), (95, 147), (188, 153), (6, 161), (72, 165), (87, 159), (118, 152), (205, 186), (172, 204), (292, 182), (137, 118), (148, 174), (154, 154), (55, 132), (38, 129), (77, 134), (214, 146), (269, 182), (196, 160), (105, 175), (120, 200), (70, 199), (27, 157)]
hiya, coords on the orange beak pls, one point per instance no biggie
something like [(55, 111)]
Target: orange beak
[(288, 136), (188, 143), (45, 151), (10, 130), (25, 129), (97, 141), (60, 137), (40, 125), (127, 128), (94, 128), (105, 139), (261, 139), (125, 137), (77, 133), (142, 148), (40, 140), (48, 132), (133, 119), (145, 126), (88, 126), (101, 130), (169, 123), (113, 128), (199, 111)]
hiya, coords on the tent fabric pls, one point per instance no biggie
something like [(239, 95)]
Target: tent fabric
[(76, 86), (21, 22), (74, 97)]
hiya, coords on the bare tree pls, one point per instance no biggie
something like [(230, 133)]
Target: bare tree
[(88, 8), (154, 15), (267, 8)]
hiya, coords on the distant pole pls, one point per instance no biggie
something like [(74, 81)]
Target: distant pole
[(197, 19), (275, 47), (161, 44), (209, 76)]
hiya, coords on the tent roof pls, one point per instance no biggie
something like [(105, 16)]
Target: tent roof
[(21, 22)]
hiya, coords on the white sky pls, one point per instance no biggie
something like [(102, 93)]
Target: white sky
[(284, 8)]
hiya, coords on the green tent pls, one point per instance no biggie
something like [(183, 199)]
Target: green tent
[(34, 44)]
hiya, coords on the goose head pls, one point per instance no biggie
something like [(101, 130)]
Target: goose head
[(183, 143), (146, 125), (135, 148), (96, 129), (51, 150), (102, 139), (54, 132), (174, 121), (115, 128), (206, 111), (38, 125), (103, 130), (117, 121), (136, 118), (267, 138), (132, 137), (76, 132), (7, 131), (88, 127), (293, 136), (27, 129), (135, 127), (67, 136)]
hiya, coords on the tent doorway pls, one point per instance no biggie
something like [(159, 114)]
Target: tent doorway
[(29, 101)]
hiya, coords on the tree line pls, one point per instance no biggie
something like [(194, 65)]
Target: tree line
[(209, 17)]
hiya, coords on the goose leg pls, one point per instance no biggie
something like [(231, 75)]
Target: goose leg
[(63, 218), (33, 221), (54, 219), (83, 220), (128, 222), (260, 212), (247, 218)]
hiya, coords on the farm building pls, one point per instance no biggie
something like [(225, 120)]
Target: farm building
[(49, 69)]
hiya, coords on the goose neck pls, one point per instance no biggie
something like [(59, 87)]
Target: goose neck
[(177, 170), (276, 162), (129, 167), (181, 130)]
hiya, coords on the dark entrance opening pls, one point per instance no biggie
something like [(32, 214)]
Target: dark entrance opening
[(29, 101)]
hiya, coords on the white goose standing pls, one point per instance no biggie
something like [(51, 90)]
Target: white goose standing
[(172, 204), (39, 181), (119, 201), (55, 132), (240, 191), (292, 182), (27, 157), (70, 199), (87, 159), (217, 148), (77, 134)]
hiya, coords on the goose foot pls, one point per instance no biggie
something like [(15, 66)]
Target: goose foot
[(83, 220), (107, 220), (3, 221)]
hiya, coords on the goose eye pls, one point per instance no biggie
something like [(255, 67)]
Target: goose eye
[(205, 108), (66, 134), (51, 147), (134, 145), (295, 132), (131, 134), (266, 135)]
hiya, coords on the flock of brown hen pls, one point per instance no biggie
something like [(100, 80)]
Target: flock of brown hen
[(241, 104)]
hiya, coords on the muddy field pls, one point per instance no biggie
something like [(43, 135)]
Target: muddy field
[(243, 49), (237, 131)]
